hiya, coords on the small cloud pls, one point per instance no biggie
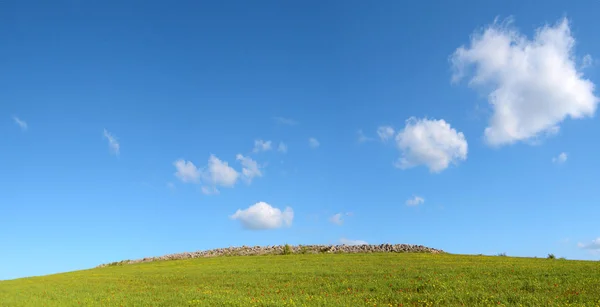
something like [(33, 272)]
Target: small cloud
[(337, 219), (250, 168), (385, 133), (560, 159), (345, 241), (186, 171), (587, 61), (219, 173), (594, 245), (430, 142), (171, 186), (362, 138), (313, 143), (260, 145), (209, 190), (263, 216), (113, 144), (415, 201), (282, 147), (285, 121), (21, 123)]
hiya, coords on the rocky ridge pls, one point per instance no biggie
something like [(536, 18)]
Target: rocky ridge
[(281, 249)]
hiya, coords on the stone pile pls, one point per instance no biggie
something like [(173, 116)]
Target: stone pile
[(279, 249)]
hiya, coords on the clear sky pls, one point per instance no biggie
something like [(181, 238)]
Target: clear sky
[(142, 128)]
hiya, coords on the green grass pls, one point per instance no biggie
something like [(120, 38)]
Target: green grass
[(319, 280)]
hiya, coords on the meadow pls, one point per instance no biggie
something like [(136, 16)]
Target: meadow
[(378, 279)]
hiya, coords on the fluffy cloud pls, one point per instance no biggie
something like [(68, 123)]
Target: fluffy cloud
[(260, 145), (560, 159), (21, 123), (217, 173), (385, 132), (532, 84), (594, 245), (352, 242), (263, 216), (415, 201), (186, 171), (313, 143), (282, 147), (250, 168), (113, 144), (432, 143)]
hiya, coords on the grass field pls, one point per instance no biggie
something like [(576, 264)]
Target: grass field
[(319, 280)]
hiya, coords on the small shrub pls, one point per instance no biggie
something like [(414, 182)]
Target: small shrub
[(287, 250), (562, 258), (502, 255), (551, 256), (303, 250)]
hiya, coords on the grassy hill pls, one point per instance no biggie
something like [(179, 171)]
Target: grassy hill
[(376, 279)]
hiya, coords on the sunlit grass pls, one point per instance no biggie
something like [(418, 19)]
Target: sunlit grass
[(384, 279)]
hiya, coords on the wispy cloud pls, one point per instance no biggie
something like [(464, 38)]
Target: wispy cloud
[(250, 168), (282, 147), (594, 245), (113, 144), (285, 121), (21, 123), (362, 137), (415, 201), (187, 171), (313, 143), (338, 218), (260, 145), (352, 242), (560, 159), (385, 133)]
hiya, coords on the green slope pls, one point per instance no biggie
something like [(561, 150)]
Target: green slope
[(319, 280)]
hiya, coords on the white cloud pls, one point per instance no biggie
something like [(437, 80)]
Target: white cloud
[(385, 132), (171, 186), (415, 201), (594, 245), (187, 171), (362, 137), (112, 142), (219, 173), (263, 216), (282, 147), (285, 121), (345, 241), (21, 123), (216, 174), (250, 168), (532, 84), (432, 143), (560, 159), (337, 219), (313, 143), (260, 145)]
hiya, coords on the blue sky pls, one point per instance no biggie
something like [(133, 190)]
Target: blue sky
[(145, 128)]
